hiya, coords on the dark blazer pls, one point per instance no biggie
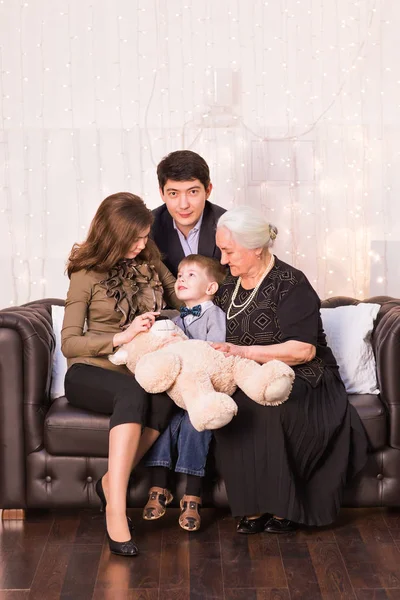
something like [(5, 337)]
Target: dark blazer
[(166, 237)]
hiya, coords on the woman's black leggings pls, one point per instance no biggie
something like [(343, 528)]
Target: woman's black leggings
[(116, 394)]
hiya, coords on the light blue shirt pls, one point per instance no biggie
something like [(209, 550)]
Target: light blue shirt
[(190, 244)]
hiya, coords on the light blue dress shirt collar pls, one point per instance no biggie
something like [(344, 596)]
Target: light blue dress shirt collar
[(190, 244)]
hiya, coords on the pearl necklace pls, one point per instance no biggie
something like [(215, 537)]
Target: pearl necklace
[(251, 297)]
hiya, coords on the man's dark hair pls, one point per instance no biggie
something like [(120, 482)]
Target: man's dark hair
[(183, 165)]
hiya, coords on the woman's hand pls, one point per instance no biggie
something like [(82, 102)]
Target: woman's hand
[(291, 352), (139, 324), (229, 349)]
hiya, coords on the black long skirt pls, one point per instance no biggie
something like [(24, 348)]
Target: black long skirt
[(292, 460)]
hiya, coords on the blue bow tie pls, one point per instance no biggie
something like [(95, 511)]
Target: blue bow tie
[(195, 311)]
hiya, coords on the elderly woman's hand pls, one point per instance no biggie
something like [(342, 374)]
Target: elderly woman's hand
[(230, 349)]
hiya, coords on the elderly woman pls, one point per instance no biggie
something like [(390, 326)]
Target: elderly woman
[(283, 465)]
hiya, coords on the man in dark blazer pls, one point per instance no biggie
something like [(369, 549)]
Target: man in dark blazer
[(186, 222)]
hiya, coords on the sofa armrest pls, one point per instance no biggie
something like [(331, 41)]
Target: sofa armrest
[(26, 349), (386, 344)]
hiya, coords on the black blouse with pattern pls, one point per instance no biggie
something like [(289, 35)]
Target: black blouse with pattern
[(286, 307)]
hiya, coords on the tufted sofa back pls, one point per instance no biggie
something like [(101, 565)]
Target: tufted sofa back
[(32, 473)]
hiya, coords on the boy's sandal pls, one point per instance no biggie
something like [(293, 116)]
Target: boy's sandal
[(157, 503), (190, 519)]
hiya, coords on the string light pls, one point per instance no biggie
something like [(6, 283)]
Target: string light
[(79, 122)]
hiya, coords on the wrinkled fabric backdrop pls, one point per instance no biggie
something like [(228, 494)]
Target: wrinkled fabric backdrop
[(295, 104)]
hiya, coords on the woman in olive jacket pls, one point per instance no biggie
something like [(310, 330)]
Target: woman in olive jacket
[(117, 287)]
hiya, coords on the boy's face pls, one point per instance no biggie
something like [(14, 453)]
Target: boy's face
[(185, 201), (193, 285)]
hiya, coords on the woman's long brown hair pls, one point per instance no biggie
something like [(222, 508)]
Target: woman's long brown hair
[(117, 224)]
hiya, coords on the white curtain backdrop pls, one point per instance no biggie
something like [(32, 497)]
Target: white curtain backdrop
[(295, 104)]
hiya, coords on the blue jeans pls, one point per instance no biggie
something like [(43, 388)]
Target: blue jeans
[(182, 439)]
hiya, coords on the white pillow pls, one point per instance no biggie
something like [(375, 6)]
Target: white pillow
[(348, 331), (59, 368)]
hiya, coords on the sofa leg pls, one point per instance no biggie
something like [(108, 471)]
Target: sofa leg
[(12, 514)]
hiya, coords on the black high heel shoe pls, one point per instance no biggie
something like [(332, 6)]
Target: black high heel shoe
[(128, 548), (101, 495)]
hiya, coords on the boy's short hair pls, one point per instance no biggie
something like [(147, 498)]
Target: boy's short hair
[(212, 266), (183, 165)]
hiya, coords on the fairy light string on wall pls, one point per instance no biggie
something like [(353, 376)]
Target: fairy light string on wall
[(318, 98), (6, 204), (26, 275), (45, 145), (75, 131)]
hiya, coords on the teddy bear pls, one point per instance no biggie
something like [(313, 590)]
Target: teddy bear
[(199, 378)]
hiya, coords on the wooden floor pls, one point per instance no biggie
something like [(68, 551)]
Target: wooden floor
[(65, 555)]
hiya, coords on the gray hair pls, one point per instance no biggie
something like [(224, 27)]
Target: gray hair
[(248, 227)]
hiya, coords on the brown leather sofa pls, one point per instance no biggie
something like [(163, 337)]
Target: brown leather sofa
[(52, 453)]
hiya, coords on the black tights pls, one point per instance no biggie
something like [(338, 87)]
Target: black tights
[(160, 478), (116, 394)]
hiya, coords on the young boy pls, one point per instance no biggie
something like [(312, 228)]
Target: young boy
[(197, 283)]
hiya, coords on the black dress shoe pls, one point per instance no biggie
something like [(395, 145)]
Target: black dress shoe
[(102, 496), (246, 525), (275, 525)]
